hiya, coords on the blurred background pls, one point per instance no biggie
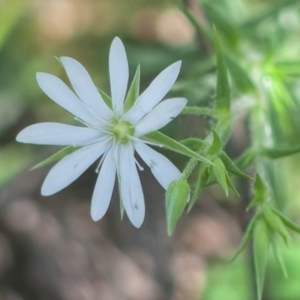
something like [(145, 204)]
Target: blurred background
[(49, 246)]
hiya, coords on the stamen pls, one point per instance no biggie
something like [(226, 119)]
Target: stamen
[(139, 166), (100, 163), (122, 130), (116, 157), (104, 139), (96, 115), (103, 156)]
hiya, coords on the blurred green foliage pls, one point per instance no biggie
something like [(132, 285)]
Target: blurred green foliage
[(225, 281)]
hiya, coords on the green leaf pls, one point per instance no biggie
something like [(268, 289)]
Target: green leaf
[(177, 196), (246, 158), (195, 144), (222, 22), (202, 111), (239, 75), (134, 90), (278, 153), (247, 236), (261, 240), (230, 184), (200, 184), (162, 140), (279, 257), (231, 166), (59, 60), (282, 103), (223, 127), (106, 98), (260, 193), (276, 224), (220, 173), (55, 157), (287, 222), (201, 29), (216, 146), (223, 89)]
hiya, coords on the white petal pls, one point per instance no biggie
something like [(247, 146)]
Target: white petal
[(58, 134), (156, 91), (161, 115), (58, 91), (163, 170), (104, 187), (119, 74), (71, 167), (130, 186), (85, 88)]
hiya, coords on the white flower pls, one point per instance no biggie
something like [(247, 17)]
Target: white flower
[(114, 134)]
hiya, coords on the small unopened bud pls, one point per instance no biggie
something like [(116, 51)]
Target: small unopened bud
[(177, 196)]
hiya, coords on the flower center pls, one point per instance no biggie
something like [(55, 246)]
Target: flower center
[(121, 130)]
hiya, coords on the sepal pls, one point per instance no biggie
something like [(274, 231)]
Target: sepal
[(55, 157)]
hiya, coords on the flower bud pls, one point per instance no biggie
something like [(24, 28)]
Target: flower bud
[(177, 196)]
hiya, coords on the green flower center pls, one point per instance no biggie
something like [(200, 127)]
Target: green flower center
[(121, 130)]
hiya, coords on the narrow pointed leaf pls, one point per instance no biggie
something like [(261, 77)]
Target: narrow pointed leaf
[(134, 90), (200, 184), (230, 183), (232, 167), (197, 25), (106, 98), (200, 111), (278, 153), (223, 89), (279, 258), (162, 140), (288, 223), (223, 127), (261, 240), (216, 146), (240, 77), (195, 144), (276, 224), (222, 22), (220, 174), (246, 238), (246, 159), (55, 157), (58, 60)]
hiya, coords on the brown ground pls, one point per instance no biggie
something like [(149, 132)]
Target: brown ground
[(50, 249)]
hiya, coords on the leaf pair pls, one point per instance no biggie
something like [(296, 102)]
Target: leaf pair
[(265, 226), (248, 157), (217, 171)]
